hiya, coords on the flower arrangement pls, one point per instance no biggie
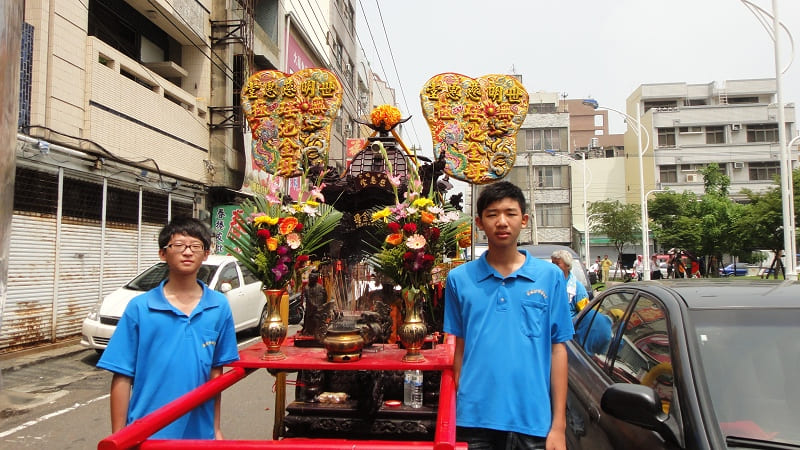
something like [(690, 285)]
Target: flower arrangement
[(385, 117), (276, 237), (419, 233)]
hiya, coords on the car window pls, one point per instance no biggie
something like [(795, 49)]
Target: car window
[(596, 329), (249, 277), (149, 279), (643, 355), (228, 274)]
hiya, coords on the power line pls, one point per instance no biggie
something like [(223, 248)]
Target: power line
[(397, 73)]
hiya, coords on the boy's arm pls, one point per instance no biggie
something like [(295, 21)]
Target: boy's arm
[(215, 372), (457, 357), (556, 438), (120, 399)]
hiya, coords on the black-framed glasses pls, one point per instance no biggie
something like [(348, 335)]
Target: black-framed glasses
[(181, 247)]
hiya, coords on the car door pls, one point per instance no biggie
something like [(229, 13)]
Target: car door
[(596, 329), (639, 352), (229, 273), (252, 298)]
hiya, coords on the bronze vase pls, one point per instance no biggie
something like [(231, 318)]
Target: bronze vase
[(273, 329), (412, 332)]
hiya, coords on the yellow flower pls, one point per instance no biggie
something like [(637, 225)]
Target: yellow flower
[(312, 203), (272, 244), (261, 220), (382, 214), (422, 202)]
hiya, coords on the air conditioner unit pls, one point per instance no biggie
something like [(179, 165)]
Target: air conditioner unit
[(692, 178), (736, 127), (738, 165)]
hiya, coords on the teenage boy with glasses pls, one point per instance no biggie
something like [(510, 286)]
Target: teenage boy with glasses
[(172, 339)]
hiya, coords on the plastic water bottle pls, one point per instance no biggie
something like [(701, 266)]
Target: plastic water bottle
[(412, 388)]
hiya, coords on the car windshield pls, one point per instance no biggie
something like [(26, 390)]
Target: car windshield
[(751, 360), (151, 277)]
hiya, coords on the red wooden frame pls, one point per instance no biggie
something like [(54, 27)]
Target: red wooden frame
[(440, 358)]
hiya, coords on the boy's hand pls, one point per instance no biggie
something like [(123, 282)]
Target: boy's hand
[(218, 435), (556, 440)]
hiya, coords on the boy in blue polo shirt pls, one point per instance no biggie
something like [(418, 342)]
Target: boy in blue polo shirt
[(172, 339), (510, 315)]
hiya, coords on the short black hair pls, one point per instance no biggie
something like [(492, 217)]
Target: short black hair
[(188, 226), (498, 191)]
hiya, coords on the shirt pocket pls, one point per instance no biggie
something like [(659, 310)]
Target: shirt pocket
[(208, 345), (533, 314)]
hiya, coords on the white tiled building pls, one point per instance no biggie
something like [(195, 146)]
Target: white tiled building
[(733, 124)]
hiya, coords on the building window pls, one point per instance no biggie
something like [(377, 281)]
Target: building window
[(668, 174), (551, 177), (762, 133), (696, 102), (715, 135), (663, 105), (542, 108), (690, 129), (740, 100), (546, 139), (764, 171), (552, 215), (529, 140), (666, 137)]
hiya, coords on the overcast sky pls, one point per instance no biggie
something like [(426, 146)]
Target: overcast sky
[(602, 49)]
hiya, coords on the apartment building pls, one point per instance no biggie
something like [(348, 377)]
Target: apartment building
[(733, 124), (129, 115), (588, 131), (542, 171)]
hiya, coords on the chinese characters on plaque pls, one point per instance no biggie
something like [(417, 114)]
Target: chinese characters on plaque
[(290, 118), (474, 121)]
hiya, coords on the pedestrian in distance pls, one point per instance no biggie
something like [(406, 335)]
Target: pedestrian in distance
[(576, 293), (605, 267), (510, 316), (172, 339)]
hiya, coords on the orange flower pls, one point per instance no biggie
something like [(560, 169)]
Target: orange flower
[(385, 116), (272, 244), (394, 239), (287, 225), (426, 217)]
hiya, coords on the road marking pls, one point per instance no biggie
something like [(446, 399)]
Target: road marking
[(31, 423)]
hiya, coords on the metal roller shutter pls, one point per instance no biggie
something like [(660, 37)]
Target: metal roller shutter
[(29, 304)]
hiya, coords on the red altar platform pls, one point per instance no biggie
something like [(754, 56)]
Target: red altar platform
[(439, 358)]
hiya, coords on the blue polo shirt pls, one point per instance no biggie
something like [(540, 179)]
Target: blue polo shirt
[(509, 325), (169, 353)]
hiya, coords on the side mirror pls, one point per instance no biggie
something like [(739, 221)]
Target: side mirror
[(638, 405), (225, 287)]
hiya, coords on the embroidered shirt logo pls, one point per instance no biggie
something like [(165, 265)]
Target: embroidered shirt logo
[(536, 291), (208, 343)]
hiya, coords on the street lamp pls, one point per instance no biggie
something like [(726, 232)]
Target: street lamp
[(646, 236), (787, 188), (639, 130)]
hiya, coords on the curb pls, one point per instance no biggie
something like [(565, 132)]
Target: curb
[(12, 361)]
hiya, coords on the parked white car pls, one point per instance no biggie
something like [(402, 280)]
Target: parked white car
[(222, 273)]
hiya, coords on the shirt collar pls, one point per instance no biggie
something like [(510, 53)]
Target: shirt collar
[(488, 271), (160, 302)]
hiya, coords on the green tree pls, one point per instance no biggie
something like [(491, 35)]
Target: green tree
[(702, 225), (761, 224), (618, 221)]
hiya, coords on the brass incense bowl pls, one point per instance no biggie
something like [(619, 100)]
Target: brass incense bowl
[(343, 345)]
